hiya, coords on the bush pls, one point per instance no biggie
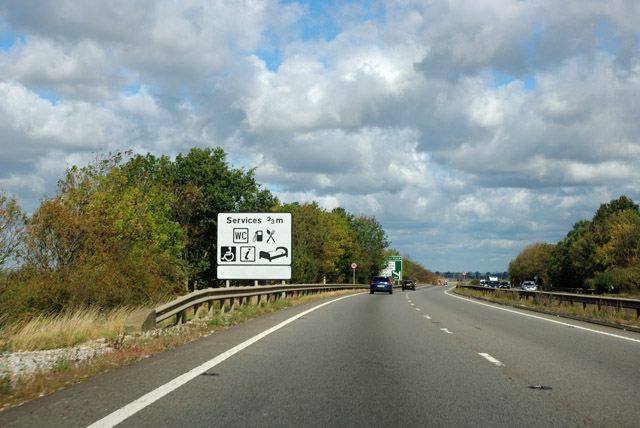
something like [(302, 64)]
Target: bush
[(102, 282), (620, 280)]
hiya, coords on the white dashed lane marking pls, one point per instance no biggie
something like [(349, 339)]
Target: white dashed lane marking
[(446, 330), (491, 359), (427, 317)]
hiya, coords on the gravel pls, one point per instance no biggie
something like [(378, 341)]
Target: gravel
[(23, 363)]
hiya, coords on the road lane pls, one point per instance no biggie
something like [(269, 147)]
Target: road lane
[(593, 369), (418, 358), (366, 361)]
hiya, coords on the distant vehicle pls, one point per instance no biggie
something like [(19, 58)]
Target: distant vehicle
[(494, 284), (529, 285), (381, 283), (483, 283), (505, 284), (408, 284)]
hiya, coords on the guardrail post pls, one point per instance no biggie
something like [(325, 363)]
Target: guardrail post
[(222, 304), (195, 311), (180, 316), (210, 308)]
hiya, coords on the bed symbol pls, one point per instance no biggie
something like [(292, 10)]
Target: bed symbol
[(277, 253)]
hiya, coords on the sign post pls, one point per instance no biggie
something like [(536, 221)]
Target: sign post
[(354, 266), (254, 246)]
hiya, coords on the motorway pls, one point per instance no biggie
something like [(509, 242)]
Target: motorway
[(424, 358)]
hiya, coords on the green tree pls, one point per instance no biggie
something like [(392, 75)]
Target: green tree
[(205, 185), (322, 242), (610, 242), (566, 261), (624, 245), (12, 221), (621, 204), (104, 240), (326, 243), (416, 272), (372, 241), (531, 263)]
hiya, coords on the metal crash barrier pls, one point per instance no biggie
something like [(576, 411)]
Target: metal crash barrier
[(238, 296), (630, 305)]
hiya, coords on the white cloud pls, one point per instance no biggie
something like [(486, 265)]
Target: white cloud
[(469, 129)]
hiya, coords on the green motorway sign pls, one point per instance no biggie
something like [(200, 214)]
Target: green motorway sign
[(393, 268)]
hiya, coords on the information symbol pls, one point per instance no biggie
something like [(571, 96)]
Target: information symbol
[(247, 254)]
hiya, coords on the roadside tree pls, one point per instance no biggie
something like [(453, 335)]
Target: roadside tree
[(12, 221)]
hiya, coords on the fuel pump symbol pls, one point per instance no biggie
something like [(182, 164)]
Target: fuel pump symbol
[(257, 237)]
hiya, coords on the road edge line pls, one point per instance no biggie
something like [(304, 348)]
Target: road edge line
[(116, 417)]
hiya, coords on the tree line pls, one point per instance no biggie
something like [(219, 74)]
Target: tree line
[(602, 253), (135, 229)]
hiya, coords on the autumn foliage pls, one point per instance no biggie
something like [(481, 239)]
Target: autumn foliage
[(602, 253), (103, 240), (133, 230)]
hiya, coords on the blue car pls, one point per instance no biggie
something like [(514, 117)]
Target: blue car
[(381, 283)]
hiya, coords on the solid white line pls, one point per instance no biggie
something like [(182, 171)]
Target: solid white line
[(130, 409), (466, 299), (491, 359)]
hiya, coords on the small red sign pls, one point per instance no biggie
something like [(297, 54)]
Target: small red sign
[(354, 265)]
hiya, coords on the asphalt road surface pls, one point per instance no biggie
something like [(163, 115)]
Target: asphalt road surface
[(424, 358)]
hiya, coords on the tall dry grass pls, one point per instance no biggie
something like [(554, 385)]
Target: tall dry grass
[(66, 329)]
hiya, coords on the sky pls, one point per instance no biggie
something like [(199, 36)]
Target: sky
[(468, 129)]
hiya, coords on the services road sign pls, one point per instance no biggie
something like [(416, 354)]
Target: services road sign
[(394, 267), (254, 246)]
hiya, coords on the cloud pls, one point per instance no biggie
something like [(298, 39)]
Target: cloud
[(469, 129)]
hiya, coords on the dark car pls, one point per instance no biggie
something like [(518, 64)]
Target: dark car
[(381, 283), (505, 284), (408, 284)]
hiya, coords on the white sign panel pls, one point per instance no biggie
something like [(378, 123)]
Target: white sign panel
[(254, 246)]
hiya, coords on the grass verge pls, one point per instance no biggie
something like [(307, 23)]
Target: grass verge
[(74, 328), (606, 314)]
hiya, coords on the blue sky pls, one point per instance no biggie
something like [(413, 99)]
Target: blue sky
[(468, 129)]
